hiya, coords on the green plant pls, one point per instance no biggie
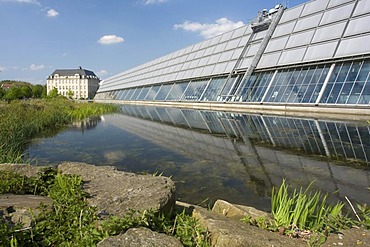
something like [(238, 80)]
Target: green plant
[(20, 121), (72, 222), (304, 210), (364, 215), (260, 222), (71, 215), (184, 227), (12, 182)]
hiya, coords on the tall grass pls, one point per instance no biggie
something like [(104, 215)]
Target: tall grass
[(22, 120), (304, 209)]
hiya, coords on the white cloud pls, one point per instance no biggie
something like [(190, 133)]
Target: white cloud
[(52, 13), (102, 72), (3, 68), (110, 39), (146, 2), (23, 1), (37, 67), (207, 30)]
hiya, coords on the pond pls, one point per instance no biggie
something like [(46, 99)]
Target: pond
[(218, 155)]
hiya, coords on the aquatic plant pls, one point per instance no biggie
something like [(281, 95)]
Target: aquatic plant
[(305, 214), (304, 210)]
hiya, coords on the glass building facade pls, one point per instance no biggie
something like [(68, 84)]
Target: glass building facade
[(316, 53)]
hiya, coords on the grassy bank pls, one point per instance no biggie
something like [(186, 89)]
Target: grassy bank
[(72, 222), (22, 120)]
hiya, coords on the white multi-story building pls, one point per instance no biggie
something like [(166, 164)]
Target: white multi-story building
[(81, 82)]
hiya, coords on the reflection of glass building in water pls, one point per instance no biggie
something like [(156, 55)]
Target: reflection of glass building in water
[(316, 53), (262, 149)]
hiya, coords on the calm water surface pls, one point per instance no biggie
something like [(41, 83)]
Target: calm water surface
[(212, 155)]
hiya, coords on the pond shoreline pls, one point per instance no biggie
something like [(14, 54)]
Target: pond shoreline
[(223, 219)]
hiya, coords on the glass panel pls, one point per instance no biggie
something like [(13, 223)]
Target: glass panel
[(365, 97), (177, 91), (162, 94), (132, 94), (304, 85), (285, 86), (257, 90), (334, 94), (213, 90), (297, 86), (361, 90), (318, 81), (356, 93), (278, 87), (246, 92), (123, 95), (152, 92), (337, 74), (129, 94), (195, 90), (364, 73), (115, 93), (143, 93), (291, 92), (347, 84), (119, 95), (136, 93), (344, 94), (227, 87)]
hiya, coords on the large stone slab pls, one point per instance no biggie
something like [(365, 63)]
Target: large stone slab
[(140, 237), (21, 209), (22, 169), (238, 212), (115, 192), (225, 232)]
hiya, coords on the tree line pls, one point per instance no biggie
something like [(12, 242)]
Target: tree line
[(13, 90)]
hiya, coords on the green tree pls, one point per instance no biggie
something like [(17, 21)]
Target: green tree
[(44, 93), (13, 93), (37, 91), (2, 92), (26, 92), (70, 93), (53, 93)]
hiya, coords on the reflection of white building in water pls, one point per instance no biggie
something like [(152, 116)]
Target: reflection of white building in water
[(261, 148), (315, 54)]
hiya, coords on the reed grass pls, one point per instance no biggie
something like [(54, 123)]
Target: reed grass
[(304, 209), (20, 121)]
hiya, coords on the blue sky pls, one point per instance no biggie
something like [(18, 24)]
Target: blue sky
[(108, 36)]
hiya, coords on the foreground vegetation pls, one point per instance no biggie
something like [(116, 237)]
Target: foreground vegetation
[(72, 222), (306, 214), (22, 120)]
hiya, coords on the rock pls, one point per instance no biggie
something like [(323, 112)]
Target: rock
[(22, 208), (224, 232), (237, 212), (140, 237), (115, 192), (350, 237), (22, 169)]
